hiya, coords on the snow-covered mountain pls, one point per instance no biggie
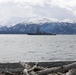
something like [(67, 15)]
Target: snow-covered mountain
[(43, 24), (12, 21)]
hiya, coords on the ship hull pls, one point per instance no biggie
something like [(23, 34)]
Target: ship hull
[(40, 34)]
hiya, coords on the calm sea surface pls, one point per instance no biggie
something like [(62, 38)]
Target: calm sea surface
[(15, 48)]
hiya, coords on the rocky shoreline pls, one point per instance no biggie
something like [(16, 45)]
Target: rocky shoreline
[(39, 68)]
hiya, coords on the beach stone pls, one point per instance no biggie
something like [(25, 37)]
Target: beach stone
[(71, 72)]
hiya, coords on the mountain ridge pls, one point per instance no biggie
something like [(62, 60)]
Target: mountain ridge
[(44, 25)]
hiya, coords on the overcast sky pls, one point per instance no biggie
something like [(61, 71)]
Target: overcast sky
[(59, 9)]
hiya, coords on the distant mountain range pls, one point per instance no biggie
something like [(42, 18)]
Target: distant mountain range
[(44, 25)]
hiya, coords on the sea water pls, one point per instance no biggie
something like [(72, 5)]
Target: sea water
[(37, 48)]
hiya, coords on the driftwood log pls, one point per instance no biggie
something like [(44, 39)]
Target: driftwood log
[(71, 72), (62, 69)]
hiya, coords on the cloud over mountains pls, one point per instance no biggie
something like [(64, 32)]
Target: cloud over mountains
[(59, 9)]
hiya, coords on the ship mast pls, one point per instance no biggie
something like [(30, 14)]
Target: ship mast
[(38, 30)]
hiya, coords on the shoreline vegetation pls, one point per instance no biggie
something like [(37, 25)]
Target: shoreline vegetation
[(39, 68)]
